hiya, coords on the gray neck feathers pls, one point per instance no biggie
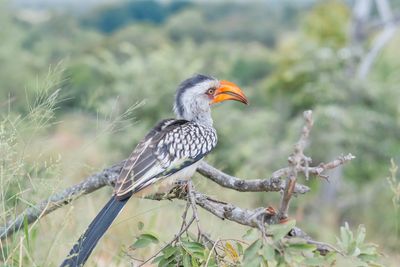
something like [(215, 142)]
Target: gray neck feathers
[(190, 103), (202, 117), (193, 110)]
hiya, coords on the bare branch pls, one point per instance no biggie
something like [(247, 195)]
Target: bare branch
[(109, 175), (297, 162), (322, 167), (322, 247), (254, 185), (57, 200), (253, 218), (286, 196)]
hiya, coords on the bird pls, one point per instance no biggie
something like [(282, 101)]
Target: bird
[(169, 153)]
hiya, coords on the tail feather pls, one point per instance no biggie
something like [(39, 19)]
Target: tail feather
[(87, 242)]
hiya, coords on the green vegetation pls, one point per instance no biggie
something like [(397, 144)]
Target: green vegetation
[(252, 251), (78, 91)]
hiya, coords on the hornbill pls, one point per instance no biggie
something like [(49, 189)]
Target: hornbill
[(171, 151)]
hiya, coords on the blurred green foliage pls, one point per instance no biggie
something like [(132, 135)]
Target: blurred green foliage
[(122, 62), (111, 18)]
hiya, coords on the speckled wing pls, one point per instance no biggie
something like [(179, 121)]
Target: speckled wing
[(171, 146)]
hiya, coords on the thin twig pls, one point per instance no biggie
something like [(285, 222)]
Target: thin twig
[(184, 214), (273, 184), (209, 254), (192, 201), (323, 244)]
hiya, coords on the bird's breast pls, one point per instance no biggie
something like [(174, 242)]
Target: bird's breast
[(166, 184)]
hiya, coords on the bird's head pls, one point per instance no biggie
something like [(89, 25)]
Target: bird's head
[(196, 94)]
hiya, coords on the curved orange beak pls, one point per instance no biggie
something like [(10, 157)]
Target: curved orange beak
[(229, 91)]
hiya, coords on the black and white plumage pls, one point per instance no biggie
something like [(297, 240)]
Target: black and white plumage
[(172, 147), (170, 151)]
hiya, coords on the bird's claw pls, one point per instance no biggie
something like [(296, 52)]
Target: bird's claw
[(182, 185), (179, 190)]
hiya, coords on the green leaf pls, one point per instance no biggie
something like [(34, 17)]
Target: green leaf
[(268, 252), (346, 237), (280, 260), (199, 255), (166, 262), (250, 234), (157, 259), (350, 261), (329, 258), (251, 251), (169, 251), (186, 260), (239, 248), (369, 249), (212, 263), (302, 247), (194, 262), (288, 257), (253, 262), (140, 225), (193, 246), (281, 230), (375, 264), (144, 240), (367, 258), (141, 243), (352, 248), (151, 237), (315, 261), (360, 234)]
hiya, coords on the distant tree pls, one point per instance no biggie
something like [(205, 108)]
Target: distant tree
[(113, 17)]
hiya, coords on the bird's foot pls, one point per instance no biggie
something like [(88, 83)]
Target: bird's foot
[(179, 190), (183, 186)]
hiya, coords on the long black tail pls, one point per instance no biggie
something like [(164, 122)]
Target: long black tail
[(86, 243)]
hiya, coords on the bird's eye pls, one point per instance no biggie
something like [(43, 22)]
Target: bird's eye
[(210, 91)]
